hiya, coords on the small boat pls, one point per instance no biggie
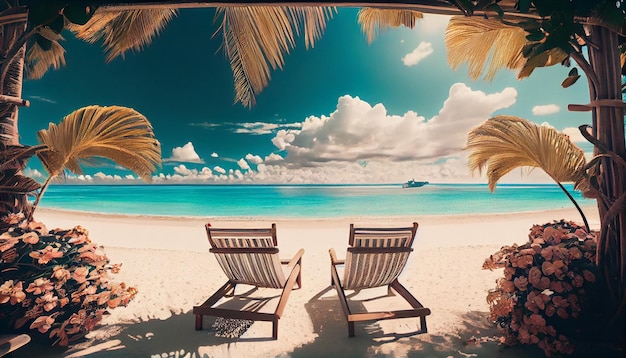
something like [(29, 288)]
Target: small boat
[(414, 184)]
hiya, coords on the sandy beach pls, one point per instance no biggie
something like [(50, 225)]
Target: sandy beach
[(168, 261)]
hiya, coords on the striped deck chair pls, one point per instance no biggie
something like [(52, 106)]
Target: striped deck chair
[(250, 256), (375, 258)]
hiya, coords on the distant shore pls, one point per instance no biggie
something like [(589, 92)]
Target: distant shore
[(167, 259)]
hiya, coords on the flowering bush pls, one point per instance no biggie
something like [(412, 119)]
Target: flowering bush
[(54, 281), (545, 285)]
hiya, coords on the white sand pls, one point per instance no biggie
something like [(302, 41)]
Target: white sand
[(167, 260)]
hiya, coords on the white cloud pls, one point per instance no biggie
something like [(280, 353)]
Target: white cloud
[(574, 135), (243, 164), (546, 109), (219, 169), (33, 173), (422, 51), (359, 131), (432, 24), (273, 157), (258, 128), (130, 177), (43, 99), (214, 155), (186, 153), (254, 159)]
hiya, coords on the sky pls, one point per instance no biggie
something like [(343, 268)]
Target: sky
[(344, 111)]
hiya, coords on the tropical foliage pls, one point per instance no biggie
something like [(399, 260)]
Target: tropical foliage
[(255, 39), (54, 281), (504, 143), (546, 290), (120, 134)]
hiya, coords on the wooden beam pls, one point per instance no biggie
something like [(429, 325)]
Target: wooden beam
[(441, 7), (14, 100)]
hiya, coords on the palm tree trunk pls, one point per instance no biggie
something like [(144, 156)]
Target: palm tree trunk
[(12, 27), (11, 71), (608, 129)]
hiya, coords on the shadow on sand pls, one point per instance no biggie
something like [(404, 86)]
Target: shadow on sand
[(175, 337), (371, 341)]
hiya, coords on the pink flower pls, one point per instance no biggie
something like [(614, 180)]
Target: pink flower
[(48, 301), (30, 238), (39, 286), (12, 293), (42, 323), (7, 241), (46, 255)]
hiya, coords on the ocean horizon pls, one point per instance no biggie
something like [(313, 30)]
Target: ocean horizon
[(307, 200)]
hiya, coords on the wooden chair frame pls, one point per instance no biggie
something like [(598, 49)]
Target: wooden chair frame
[(255, 241), (418, 310)]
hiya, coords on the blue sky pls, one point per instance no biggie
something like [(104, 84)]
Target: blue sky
[(341, 112)]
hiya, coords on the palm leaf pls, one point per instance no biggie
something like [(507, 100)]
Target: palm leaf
[(504, 143), (121, 31), (476, 41), (375, 20), (256, 38), (549, 58), (117, 133), (38, 60)]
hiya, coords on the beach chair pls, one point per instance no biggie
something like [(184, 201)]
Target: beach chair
[(375, 258), (11, 342), (250, 257)]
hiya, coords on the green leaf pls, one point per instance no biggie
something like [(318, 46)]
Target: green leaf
[(524, 5), (535, 36), (43, 42), (78, 14), (58, 24), (496, 8)]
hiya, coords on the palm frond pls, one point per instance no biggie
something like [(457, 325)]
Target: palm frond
[(38, 60), (121, 31), (255, 39), (117, 133), (504, 143), (313, 19), (375, 20), (476, 41)]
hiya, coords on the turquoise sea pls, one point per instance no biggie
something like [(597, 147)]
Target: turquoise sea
[(312, 201)]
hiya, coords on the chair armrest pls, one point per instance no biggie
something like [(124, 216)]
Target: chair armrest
[(333, 258), (296, 258)]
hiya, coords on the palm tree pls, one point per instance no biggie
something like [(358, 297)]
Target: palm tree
[(504, 143), (119, 134), (553, 28)]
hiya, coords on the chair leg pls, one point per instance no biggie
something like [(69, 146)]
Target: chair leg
[(350, 328), (275, 329), (198, 322), (423, 324)]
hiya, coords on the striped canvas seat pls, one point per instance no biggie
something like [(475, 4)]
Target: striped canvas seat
[(251, 257), (376, 257)]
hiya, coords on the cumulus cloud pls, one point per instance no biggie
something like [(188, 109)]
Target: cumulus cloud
[(273, 157), (243, 164), (186, 153), (219, 169), (422, 51), (254, 159), (546, 109), (358, 131), (214, 155)]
